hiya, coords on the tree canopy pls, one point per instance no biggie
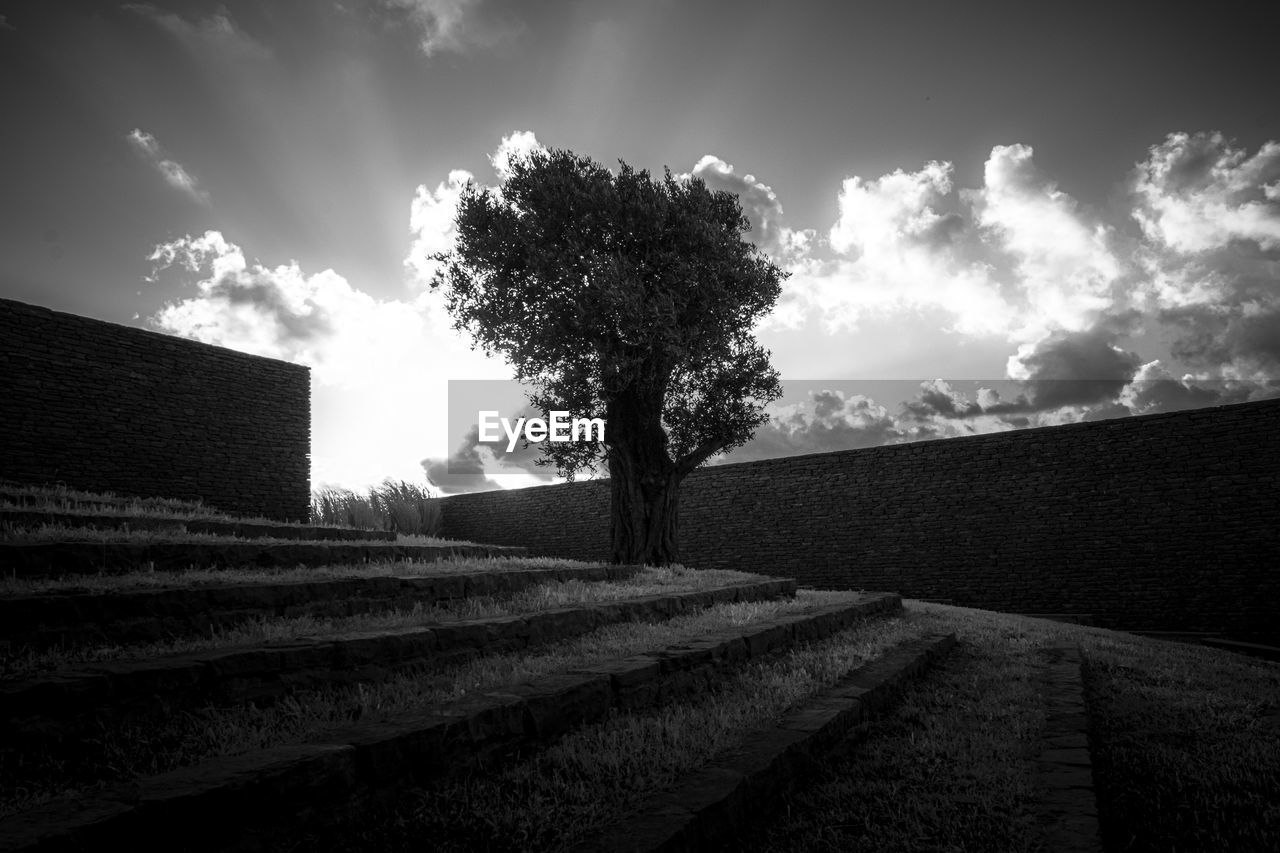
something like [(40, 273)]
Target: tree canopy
[(625, 297)]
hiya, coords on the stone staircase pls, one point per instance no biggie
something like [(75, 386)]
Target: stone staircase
[(88, 678)]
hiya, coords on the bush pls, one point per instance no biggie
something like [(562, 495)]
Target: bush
[(395, 505)]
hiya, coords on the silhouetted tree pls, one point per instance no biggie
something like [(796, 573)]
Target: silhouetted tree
[(627, 297)]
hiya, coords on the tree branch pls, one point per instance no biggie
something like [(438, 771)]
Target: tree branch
[(697, 456)]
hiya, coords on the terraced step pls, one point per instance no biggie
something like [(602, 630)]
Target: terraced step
[(1258, 650), (272, 788), (30, 517), (23, 494), (61, 704), (713, 807), (77, 617), (43, 559)]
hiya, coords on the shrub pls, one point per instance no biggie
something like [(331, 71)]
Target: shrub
[(396, 505)]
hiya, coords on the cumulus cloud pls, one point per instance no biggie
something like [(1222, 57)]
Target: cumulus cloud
[(217, 34), (938, 399), (1198, 192), (516, 145), (474, 463), (759, 204), (432, 212), (172, 171), (1065, 270), (380, 368), (1210, 216), (273, 312), (450, 25), (827, 421), (431, 221), (1016, 259), (1155, 389), (898, 251), (1082, 368)]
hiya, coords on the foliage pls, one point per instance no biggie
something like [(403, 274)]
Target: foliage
[(597, 287), (627, 298), (397, 505)]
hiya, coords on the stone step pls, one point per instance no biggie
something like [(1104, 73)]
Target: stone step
[(1257, 650), (716, 804), (13, 492), (275, 788), (25, 518), (77, 617), (59, 705), (1067, 812), (44, 559)]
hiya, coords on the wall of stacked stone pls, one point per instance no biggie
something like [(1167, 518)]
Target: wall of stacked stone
[(1165, 522), (101, 406)]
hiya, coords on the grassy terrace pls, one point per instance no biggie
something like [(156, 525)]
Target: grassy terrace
[(126, 752), (1186, 748), (1187, 754), (50, 533), (393, 505), (215, 577), (63, 499), (539, 598), (1186, 744), (600, 772)]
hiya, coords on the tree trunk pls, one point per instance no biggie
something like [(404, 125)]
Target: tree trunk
[(644, 484)]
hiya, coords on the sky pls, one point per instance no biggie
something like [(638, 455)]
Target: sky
[(995, 215)]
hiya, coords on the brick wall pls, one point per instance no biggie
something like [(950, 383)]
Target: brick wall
[(1159, 522), (101, 406)]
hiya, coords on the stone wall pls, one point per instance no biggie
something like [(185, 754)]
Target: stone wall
[(105, 407), (1167, 522)]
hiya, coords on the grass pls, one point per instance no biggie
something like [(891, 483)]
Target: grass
[(599, 772), (128, 751), (536, 599), (15, 533), (1188, 753), (397, 505), (147, 580), (1186, 750), (950, 767), (60, 498), (1186, 745)]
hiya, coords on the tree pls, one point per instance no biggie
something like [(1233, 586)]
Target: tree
[(624, 296)]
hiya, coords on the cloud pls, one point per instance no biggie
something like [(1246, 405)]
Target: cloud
[(431, 221), (1065, 272), (473, 464), (380, 368), (897, 251), (1210, 216), (172, 171), (516, 145), (216, 35), (1016, 258), (826, 421), (5, 25), (1074, 368), (1197, 192), (451, 25), (463, 471), (759, 204), (1154, 389), (938, 399), (432, 212), (274, 312)]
